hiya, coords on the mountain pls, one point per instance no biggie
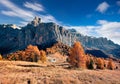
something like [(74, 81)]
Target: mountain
[(46, 34), (36, 33), (101, 44)]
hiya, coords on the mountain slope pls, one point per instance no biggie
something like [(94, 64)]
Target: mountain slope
[(101, 44), (46, 34)]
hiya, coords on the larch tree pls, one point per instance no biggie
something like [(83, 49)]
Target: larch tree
[(91, 64), (100, 63), (0, 57), (32, 53), (77, 56), (43, 57), (111, 64)]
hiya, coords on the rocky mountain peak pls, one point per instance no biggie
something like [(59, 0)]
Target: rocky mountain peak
[(36, 21)]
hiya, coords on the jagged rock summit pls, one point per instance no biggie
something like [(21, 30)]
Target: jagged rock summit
[(36, 21), (45, 35)]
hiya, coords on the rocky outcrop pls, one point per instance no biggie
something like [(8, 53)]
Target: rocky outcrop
[(36, 33), (45, 35), (36, 21)]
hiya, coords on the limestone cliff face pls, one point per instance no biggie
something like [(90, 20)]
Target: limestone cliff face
[(46, 34), (36, 33)]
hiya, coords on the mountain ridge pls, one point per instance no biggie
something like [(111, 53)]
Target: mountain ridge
[(46, 34)]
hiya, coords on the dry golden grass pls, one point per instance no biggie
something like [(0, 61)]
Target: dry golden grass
[(19, 72)]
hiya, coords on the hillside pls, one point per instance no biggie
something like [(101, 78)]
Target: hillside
[(45, 35), (98, 44), (20, 72)]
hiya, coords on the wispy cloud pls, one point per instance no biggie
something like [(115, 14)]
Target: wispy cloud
[(9, 13), (102, 22), (49, 18), (27, 15), (102, 7), (15, 11), (111, 30), (34, 6)]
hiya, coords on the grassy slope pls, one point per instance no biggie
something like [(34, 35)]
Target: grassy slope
[(17, 72)]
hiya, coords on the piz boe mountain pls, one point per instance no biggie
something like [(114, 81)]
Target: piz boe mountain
[(44, 35)]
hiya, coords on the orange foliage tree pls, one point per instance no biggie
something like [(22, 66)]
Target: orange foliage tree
[(91, 61), (77, 56), (0, 57), (111, 65), (32, 48), (32, 53), (43, 56), (100, 63)]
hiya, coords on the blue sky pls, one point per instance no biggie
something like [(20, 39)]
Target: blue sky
[(99, 18)]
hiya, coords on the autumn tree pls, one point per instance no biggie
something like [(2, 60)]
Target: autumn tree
[(32, 53), (111, 64), (0, 57), (43, 58), (91, 64), (90, 61), (32, 48), (77, 56), (100, 63)]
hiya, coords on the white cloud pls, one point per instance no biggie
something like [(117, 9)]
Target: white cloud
[(9, 13), (102, 22), (111, 30), (85, 30), (49, 18), (103, 7), (15, 11), (34, 6)]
